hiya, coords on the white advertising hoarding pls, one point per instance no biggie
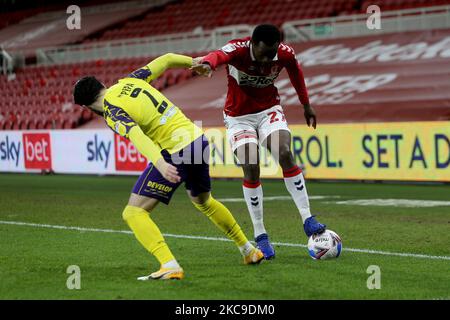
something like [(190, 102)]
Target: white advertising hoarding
[(69, 151)]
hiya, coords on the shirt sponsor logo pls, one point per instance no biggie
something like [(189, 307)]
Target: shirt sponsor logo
[(256, 81), (244, 79)]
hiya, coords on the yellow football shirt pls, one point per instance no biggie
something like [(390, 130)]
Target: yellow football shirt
[(139, 112)]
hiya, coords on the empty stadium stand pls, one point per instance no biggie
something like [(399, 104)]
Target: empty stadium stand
[(184, 16), (41, 97), (13, 12), (50, 29), (187, 15), (402, 4), (10, 18)]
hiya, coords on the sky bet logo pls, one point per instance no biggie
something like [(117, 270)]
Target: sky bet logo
[(37, 150), (127, 156), (10, 150), (98, 151)]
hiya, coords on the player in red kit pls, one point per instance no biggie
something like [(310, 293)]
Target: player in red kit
[(253, 116)]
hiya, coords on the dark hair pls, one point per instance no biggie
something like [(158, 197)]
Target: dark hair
[(86, 90), (267, 33)]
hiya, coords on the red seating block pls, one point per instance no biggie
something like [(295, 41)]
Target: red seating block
[(41, 105), (184, 16)]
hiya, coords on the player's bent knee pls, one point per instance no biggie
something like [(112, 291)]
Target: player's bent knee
[(146, 203), (251, 172), (204, 207), (251, 168), (130, 211), (201, 198), (285, 153)]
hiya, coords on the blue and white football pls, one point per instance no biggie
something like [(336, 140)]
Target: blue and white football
[(325, 246)]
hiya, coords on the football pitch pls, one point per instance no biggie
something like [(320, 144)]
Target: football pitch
[(48, 223)]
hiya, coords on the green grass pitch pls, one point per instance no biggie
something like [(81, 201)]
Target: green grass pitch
[(34, 259)]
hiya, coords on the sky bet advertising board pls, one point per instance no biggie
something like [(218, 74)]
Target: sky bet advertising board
[(410, 151)]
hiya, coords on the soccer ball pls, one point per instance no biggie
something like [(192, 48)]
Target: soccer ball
[(325, 246)]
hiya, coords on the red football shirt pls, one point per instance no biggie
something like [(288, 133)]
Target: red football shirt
[(251, 86)]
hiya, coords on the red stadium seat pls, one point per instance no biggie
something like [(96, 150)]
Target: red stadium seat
[(32, 124), (8, 125), (68, 124), (15, 125), (59, 124), (23, 124), (48, 124), (40, 124)]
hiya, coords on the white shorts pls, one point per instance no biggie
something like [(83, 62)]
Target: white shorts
[(255, 127)]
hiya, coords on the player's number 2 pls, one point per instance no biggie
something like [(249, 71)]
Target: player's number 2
[(274, 116), (161, 107)]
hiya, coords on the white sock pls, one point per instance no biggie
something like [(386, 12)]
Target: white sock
[(295, 183), (246, 249), (171, 264), (253, 195)]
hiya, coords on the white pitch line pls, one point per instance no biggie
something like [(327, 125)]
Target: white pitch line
[(274, 198), (284, 244), (405, 203)]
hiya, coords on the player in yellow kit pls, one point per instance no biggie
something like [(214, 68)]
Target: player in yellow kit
[(178, 152)]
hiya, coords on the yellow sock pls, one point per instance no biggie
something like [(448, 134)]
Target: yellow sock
[(147, 233), (223, 219)]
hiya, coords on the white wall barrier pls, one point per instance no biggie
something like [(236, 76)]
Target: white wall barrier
[(67, 151)]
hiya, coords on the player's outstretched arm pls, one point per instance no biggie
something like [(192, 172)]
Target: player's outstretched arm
[(298, 82), (206, 64), (225, 55), (157, 67), (168, 61)]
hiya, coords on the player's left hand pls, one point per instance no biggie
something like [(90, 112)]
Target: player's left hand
[(168, 171), (202, 69), (310, 116), (197, 60)]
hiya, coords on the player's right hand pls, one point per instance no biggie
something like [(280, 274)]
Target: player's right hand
[(168, 171), (310, 116)]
